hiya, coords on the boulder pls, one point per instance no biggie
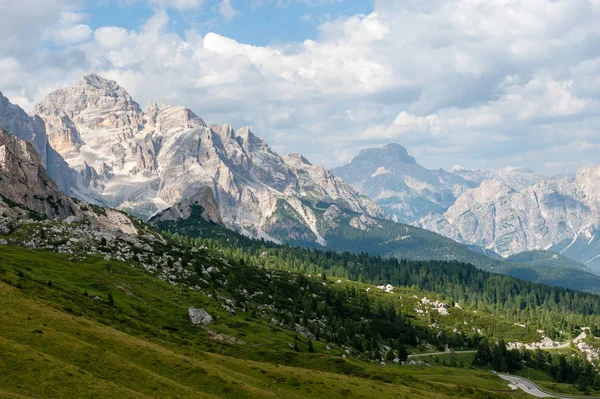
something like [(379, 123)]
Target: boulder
[(200, 316)]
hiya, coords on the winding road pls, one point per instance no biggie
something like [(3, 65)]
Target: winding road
[(438, 353), (531, 388), (526, 386)]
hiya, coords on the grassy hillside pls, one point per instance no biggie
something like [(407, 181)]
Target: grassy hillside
[(61, 335)]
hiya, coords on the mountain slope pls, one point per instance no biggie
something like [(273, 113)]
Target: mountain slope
[(144, 162), (546, 259), (57, 341), (400, 185), (28, 192), (356, 234)]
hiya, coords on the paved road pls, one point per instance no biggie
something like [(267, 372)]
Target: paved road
[(526, 386), (531, 388), (438, 353)]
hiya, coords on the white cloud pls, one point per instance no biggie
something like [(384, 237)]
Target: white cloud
[(466, 81), (71, 34), (226, 10), (181, 5)]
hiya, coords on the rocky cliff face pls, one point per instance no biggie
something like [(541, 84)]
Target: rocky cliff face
[(204, 199), (33, 129), (146, 161), (24, 181), (559, 214), (27, 191), (400, 185)]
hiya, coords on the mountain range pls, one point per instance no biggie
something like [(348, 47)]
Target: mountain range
[(506, 211), (560, 215), (144, 161), (100, 147)]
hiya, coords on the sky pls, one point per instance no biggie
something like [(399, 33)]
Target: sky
[(479, 83)]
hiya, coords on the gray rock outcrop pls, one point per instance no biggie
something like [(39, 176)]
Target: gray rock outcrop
[(24, 181), (204, 199), (200, 316)]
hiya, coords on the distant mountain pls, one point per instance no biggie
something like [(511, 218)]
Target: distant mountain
[(394, 179), (515, 178), (562, 215), (145, 161)]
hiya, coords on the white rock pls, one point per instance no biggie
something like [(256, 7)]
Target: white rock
[(200, 316)]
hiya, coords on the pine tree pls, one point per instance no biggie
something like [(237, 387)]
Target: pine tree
[(111, 299)]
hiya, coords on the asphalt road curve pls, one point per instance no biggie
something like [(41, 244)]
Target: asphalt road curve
[(526, 386), (534, 390)]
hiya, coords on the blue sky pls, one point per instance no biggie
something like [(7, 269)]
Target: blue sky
[(255, 22), (480, 83)]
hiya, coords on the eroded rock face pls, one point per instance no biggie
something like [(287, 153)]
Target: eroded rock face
[(200, 316), (15, 121), (515, 178), (559, 214), (147, 161), (204, 199), (24, 181)]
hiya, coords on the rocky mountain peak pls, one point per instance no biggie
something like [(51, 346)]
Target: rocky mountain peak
[(92, 96), (517, 178), (15, 120), (399, 152), (145, 162), (490, 190), (225, 132), (153, 108), (560, 214), (98, 82), (403, 187), (33, 129), (588, 181), (299, 158), (175, 117), (390, 154)]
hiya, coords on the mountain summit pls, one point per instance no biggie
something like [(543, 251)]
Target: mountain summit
[(399, 184)]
